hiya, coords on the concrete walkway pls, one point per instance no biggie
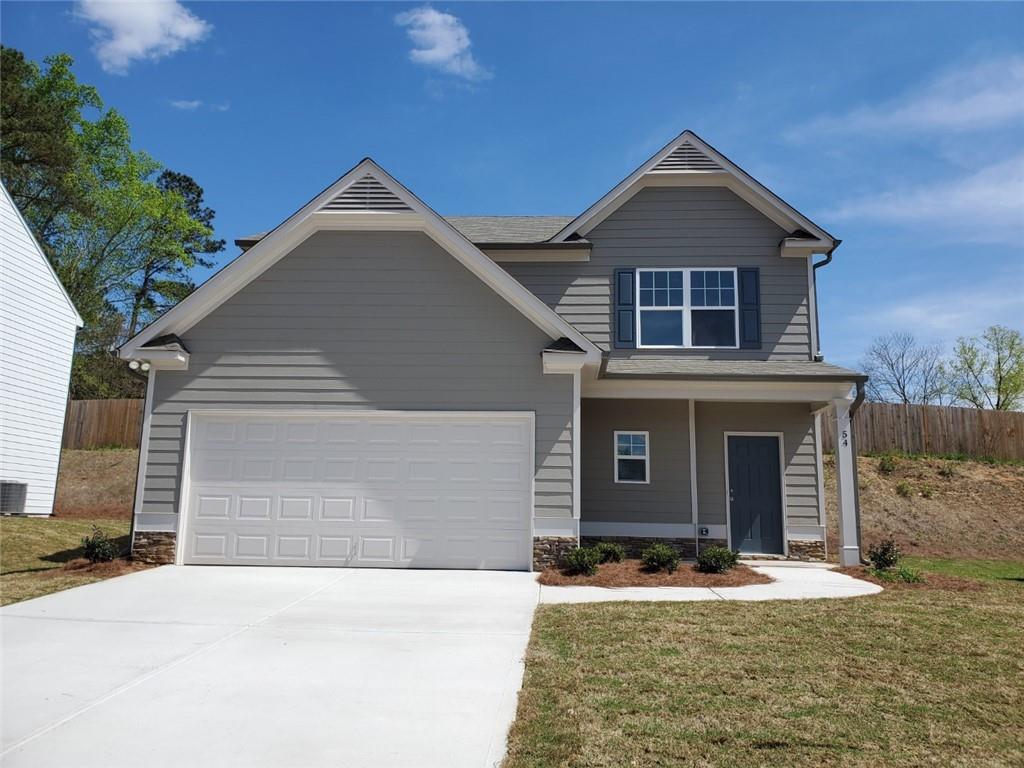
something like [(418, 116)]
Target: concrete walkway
[(793, 581), (253, 667)]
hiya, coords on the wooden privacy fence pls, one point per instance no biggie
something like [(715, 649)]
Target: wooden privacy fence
[(880, 427), (103, 424), (884, 427)]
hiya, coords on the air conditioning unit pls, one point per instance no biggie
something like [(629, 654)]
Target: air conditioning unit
[(12, 497)]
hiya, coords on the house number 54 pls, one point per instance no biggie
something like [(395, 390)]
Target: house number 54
[(846, 438)]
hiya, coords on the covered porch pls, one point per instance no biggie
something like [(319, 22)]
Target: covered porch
[(717, 453)]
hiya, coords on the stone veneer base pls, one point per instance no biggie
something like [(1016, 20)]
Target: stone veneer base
[(634, 545), (154, 547), (548, 551), (804, 549)]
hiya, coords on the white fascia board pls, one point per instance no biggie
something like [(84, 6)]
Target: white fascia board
[(563, 362), (735, 178), (309, 219), (737, 391), (797, 247)]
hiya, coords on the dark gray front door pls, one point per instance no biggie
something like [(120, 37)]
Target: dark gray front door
[(755, 494)]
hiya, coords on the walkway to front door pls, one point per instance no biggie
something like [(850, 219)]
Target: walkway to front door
[(755, 493)]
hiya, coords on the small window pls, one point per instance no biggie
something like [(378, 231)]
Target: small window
[(631, 457), (661, 307)]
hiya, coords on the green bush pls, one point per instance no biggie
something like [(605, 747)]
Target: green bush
[(887, 464), (582, 560), (717, 559), (99, 548), (948, 471), (903, 489), (610, 552), (927, 491), (885, 555), (660, 557), (908, 574)]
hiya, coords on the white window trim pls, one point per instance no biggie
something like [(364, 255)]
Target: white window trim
[(646, 457), (687, 307)]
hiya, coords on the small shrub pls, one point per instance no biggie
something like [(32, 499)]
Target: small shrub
[(909, 575), (582, 560), (887, 464), (717, 559), (885, 555), (610, 552), (927, 491), (660, 557), (948, 471), (99, 548), (903, 489)]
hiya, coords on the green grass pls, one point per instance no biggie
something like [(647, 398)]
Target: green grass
[(910, 677), (990, 570), (33, 549)]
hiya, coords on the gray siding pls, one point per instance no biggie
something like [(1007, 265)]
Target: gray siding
[(796, 423), (363, 321), (667, 498), (684, 227)]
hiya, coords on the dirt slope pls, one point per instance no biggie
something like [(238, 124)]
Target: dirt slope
[(96, 484), (938, 507)]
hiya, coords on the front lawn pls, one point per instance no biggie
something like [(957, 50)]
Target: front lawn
[(35, 555), (907, 677)]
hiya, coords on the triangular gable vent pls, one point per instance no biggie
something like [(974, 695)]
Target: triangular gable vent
[(687, 157), (366, 194)]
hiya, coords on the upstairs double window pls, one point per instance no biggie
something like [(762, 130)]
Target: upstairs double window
[(687, 309)]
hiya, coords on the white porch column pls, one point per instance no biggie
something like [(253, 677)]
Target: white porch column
[(849, 551)]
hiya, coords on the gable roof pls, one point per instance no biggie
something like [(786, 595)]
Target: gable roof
[(39, 252), (365, 198), (688, 160)]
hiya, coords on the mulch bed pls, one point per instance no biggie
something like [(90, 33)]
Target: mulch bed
[(930, 581), (633, 573), (117, 567)]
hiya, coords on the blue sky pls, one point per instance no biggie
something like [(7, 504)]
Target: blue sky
[(899, 128)]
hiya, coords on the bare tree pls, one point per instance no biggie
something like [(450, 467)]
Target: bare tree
[(988, 371), (903, 370)]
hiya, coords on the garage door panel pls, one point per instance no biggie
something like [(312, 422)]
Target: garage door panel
[(366, 490)]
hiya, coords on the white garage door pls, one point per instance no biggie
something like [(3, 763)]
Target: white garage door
[(394, 490)]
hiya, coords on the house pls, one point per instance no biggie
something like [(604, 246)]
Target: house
[(38, 324), (372, 384)]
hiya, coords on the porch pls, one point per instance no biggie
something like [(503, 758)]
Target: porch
[(736, 463)]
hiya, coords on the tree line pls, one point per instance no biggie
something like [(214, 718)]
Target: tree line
[(122, 231), (985, 371)]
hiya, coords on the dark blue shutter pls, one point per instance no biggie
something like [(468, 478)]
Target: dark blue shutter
[(750, 308), (624, 316)]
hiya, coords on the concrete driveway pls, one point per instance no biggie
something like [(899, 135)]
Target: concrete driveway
[(235, 666)]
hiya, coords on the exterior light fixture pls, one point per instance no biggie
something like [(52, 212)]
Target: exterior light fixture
[(144, 367), (134, 365)]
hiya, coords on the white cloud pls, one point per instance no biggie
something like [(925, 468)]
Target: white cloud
[(987, 205), (948, 315), (125, 31), (222, 107), (441, 41), (985, 95), (188, 105)]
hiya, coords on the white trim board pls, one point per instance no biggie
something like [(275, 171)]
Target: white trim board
[(733, 177), (310, 219), (782, 486)]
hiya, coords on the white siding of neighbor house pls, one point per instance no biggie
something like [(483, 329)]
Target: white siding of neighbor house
[(37, 339)]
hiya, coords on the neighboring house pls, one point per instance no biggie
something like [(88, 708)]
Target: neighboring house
[(372, 384), (38, 324)]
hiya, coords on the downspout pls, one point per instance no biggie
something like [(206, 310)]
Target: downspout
[(817, 328), (853, 448)]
